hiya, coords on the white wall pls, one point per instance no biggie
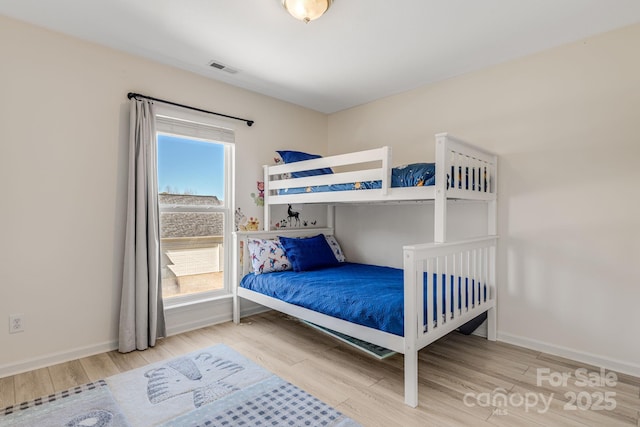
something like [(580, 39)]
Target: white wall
[(63, 153), (566, 124), (375, 234)]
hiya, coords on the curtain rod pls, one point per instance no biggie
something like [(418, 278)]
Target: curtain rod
[(137, 95)]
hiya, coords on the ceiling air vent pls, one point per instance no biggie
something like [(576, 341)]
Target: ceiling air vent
[(222, 67)]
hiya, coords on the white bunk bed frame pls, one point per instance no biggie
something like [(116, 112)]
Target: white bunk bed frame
[(474, 259), (450, 152)]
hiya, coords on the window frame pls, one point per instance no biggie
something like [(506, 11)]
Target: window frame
[(209, 130)]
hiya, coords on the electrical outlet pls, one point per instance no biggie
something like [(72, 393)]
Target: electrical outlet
[(16, 323)]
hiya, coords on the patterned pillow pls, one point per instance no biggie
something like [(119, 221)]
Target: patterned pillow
[(267, 256), (335, 247)]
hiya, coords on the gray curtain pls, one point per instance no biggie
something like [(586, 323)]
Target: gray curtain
[(141, 309)]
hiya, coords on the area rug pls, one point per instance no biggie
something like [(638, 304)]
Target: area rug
[(90, 405), (212, 387)]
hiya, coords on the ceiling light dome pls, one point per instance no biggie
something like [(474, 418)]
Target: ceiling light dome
[(306, 10)]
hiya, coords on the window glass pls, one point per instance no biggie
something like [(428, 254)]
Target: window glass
[(192, 177), (190, 166)]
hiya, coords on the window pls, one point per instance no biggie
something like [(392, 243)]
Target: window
[(195, 196)]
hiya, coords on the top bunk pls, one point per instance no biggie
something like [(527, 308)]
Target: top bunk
[(461, 171)]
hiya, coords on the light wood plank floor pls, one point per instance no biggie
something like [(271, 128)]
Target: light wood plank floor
[(462, 378)]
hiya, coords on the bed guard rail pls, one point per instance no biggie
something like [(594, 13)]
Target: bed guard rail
[(465, 170), (367, 165), (454, 281)]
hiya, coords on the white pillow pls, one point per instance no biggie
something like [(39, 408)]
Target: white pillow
[(335, 247), (267, 256)]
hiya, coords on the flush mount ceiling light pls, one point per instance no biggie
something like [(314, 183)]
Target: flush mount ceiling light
[(306, 10)]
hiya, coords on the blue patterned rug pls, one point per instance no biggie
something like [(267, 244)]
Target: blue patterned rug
[(212, 387)]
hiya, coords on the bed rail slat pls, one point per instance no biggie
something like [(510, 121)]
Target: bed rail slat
[(350, 159), (429, 298), (420, 280), (463, 285), (445, 290), (456, 287), (335, 178)]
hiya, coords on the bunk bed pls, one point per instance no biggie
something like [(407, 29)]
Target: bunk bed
[(442, 285)]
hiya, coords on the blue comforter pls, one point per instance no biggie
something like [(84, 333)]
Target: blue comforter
[(364, 294)]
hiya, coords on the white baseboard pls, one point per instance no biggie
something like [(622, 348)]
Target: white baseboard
[(180, 320), (201, 322), (55, 358), (569, 353)]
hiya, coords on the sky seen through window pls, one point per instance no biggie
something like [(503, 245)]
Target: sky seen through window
[(190, 166)]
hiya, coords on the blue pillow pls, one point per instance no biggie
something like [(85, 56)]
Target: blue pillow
[(414, 175), (298, 156), (308, 253)]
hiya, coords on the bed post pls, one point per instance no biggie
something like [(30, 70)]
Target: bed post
[(267, 221), (492, 230), (492, 205), (386, 167), (440, 208), (492, 322), (235, 277), (410, 330), (492, 325)]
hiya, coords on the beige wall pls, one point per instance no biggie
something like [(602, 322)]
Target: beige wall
[(566, 124), (63, 152)]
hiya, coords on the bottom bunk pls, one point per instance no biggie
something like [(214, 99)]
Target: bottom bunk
[(441, 287)]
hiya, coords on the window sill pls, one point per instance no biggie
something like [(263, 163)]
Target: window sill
[(169, 305)]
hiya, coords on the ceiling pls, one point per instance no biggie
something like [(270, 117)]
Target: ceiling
[(361, 50)]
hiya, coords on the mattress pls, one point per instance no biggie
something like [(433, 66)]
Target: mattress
[(367, 295)]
